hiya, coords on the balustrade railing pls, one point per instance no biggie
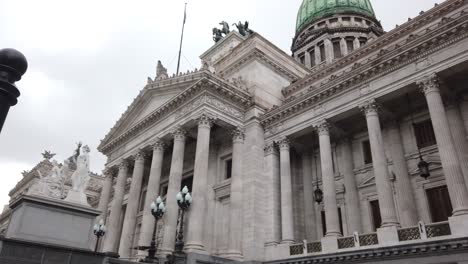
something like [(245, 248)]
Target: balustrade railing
[(346, 242), (438, 229), (297, 249), (314, 247), (407, 234), (368, 240)]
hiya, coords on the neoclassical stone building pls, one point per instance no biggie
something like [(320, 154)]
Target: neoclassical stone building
[(256, 133)]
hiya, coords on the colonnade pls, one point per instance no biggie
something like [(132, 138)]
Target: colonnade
[(450, 137), (198, 210)]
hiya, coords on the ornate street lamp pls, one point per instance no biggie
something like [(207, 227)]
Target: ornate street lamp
[(13, 65), (422, 164), (318, 193), (157, 210), (99, 231), (184, 200)]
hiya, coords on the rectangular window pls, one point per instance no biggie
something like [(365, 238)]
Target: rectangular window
[(188, 181), (324, 222), (228, 168), (366, 152), (376, 217), (439, 204), (163, 191), (362, 41), (424, 133), (322, 52), (142, 201), (302, 58), (337, 49)]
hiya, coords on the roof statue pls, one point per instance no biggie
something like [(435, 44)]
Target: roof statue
[(243, 29), (218, 33), (161, 72), (48, 155)]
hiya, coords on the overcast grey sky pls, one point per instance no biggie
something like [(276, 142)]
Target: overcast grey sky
[(88, 59)]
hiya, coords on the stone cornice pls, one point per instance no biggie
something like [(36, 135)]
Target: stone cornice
[(208, 82), (422, 20), (398, 55)]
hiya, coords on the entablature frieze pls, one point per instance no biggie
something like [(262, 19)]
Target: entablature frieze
[(219, 95), (445, 33)]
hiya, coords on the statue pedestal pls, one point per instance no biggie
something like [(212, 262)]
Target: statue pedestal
[(45, 220), (77, 198)]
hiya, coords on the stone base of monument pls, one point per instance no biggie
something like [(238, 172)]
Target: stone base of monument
[(51, 221), (77, 198)]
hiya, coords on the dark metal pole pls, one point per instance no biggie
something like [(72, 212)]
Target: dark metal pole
[(181, 38), (13, 65), (97, 244), (179, 246), (152, 250)]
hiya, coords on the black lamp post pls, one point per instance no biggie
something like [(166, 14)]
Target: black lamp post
[(422, 164), (184, 200), (99, 231), (318, 193), (13, 65), (157, 210)]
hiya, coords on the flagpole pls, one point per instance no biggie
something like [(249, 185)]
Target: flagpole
[(181, 38)]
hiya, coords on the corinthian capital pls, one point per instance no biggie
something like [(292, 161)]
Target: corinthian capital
[(179, 134), (205, 120), (140, 155), (238, 135), (158, 145), (323, 128), (429, 84), (123, 164), (270, 148), (370, 107), (284, 143)]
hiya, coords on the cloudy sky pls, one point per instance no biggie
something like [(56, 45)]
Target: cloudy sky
[(88, 59)]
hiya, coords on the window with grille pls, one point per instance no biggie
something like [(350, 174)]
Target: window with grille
[(366, 152), (424, 133)]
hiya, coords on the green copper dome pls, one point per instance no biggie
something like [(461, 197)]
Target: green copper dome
[(312, 10)]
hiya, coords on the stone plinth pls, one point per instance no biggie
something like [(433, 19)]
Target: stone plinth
[(50, 221)]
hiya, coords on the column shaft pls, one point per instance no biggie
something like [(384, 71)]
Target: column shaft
[(356, 44), (459, 138), (273, 200), (113, 223), (307, 59), (404, 188), (344, 47), (328, 181), (380, 165), (447, 150), (128, 229), (175, 179), (309, 201), (198, 210), (330, 55), (152, 192), (351, 194), (318, 57), (287, 221), (235, 224)]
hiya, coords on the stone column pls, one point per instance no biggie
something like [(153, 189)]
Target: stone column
[(113, 223), (356, 43), (152, 192), (235, 223), (351, 195), (198, 209), (447, 149), (380, 165), (307, 59), (329, 51), (105, 195), (344, 47), (287, 221), (404, 188), (459, 138), (309, 201), (128, 229), (328, 181), (175, 179), (273, 199), (317, 55)]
